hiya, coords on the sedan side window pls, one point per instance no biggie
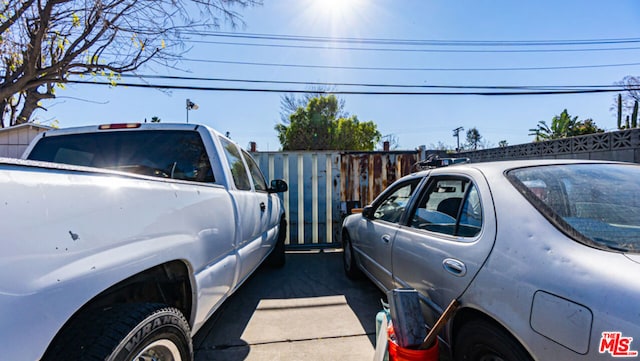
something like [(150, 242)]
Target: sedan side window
[(392, 207), (449, 206), (471, 215)]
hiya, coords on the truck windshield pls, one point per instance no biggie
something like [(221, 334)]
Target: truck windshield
[(597, 203), (175, 154)]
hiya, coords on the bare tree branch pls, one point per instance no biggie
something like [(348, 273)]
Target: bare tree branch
[(14, 9), (43, 42)]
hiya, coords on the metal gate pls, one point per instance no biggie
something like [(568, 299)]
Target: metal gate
[(325, 186)]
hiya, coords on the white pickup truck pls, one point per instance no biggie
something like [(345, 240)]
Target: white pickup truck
[(120, 241)]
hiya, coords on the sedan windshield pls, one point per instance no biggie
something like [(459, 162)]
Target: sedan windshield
[(600, 202)]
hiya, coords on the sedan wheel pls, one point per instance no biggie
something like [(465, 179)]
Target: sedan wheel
[(348, 260), (482, 341)]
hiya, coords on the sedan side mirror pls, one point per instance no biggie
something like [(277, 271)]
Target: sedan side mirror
[(278, 186), (367, 212)]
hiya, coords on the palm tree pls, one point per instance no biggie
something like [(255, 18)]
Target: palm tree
[(561, 127), (564, 126)]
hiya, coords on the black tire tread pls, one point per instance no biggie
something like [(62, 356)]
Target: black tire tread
[(81, 340), (277, 257), (353, 273), (483, 332)]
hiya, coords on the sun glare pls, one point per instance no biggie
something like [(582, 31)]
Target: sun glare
[(333, 18), (337, 7), (337, 10)]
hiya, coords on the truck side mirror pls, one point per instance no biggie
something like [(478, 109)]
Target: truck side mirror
[(278, 186)]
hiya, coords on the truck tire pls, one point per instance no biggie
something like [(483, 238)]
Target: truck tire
[(277, 257), (125, 332)]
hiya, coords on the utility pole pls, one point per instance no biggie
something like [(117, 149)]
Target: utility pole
[(456, 133)]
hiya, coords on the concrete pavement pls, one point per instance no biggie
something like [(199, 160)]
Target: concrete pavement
[(307, 310)]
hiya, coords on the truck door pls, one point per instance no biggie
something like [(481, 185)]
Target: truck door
[(250, 208), (268, 204)]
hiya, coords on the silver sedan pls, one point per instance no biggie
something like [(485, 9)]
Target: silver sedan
[(543, 256)]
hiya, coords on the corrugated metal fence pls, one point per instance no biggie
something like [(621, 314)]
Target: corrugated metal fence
[(325, 186)]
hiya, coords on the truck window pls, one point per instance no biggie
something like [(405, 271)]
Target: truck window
[(175, 154), (256, 174), (238, 171)]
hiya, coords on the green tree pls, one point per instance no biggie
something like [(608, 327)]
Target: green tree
[(351, 134), (290, 102), (563, 126), (318, 126), (587, 126), (43, 43), (473, 138)]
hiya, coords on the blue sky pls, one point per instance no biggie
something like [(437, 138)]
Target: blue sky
[(414, 119)]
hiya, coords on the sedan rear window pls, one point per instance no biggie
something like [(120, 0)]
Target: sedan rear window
[(595, 203)]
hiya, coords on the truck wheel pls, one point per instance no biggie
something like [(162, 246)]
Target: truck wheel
[(348, 259), (481, 341), (125, 332), (277, 256)]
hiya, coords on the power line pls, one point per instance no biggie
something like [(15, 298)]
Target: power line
[(308, 66), (396, 41), (342, 92), (378, 85), (407, 50)]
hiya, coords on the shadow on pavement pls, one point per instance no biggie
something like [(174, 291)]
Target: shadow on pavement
[(309, 299)]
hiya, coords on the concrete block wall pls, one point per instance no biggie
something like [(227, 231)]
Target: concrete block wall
[(623, 145)]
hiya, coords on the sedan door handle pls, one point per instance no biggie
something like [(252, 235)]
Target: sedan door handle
[(386, 238), (262, 206), (455, 267)]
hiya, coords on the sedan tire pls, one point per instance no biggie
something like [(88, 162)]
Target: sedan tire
[(482, 341), (125, 332), (348, 259)]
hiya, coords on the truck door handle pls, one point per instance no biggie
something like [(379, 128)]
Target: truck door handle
[(386, 238), (455, 267), (262, 206)]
